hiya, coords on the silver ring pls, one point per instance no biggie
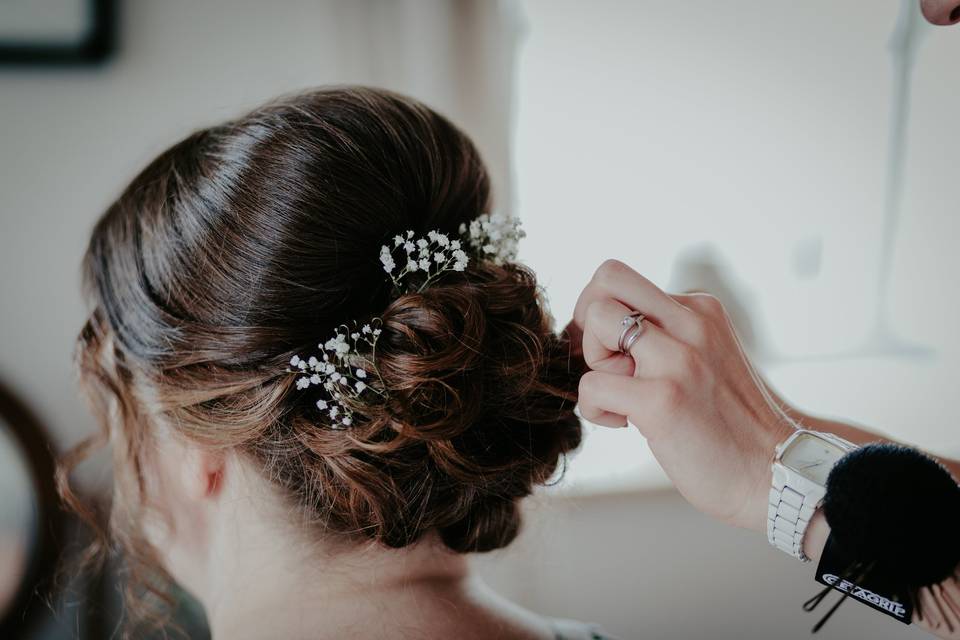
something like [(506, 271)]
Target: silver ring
[(634, 336), (631, 328)]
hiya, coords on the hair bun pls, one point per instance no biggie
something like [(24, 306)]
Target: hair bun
[(481, 393)]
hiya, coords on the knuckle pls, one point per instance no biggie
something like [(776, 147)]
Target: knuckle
[(707, 304), (609, 271), (594, 313), (589, 385)]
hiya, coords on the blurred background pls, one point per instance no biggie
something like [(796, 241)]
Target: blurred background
[(799, 160)]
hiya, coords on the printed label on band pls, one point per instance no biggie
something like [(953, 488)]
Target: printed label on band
[(872, 590)]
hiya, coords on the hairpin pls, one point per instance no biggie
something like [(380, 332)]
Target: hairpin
[(348, 359)]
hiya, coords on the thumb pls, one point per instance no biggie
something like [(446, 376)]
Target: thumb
[(609, 399)]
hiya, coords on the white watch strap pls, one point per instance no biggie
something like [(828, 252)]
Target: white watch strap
[(788, 515)]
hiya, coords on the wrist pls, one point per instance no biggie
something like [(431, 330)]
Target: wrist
[(776, 432), (800, 470), (816, 536)]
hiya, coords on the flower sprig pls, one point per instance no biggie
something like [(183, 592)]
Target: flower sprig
[(427, 256), (347, 360), (342, 370), (494, 236)]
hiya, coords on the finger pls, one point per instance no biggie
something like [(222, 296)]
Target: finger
[(653, 353), (591, 412), (949, 613), (614, 363), (601, 417), (614, 280), (932, 616), (601, 335), (617, 363), (638, 399)]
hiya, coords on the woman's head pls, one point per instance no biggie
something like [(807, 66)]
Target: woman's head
[(249, 242)]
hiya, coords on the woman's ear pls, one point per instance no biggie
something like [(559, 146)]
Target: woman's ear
[(185, 486), (201, 471), (186, 473)]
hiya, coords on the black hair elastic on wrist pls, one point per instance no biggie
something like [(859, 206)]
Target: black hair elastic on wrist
[(894, 516)]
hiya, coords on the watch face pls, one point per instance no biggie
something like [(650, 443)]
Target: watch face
[(811, 457)]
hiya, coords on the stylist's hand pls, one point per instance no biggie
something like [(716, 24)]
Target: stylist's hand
[(687, 386)]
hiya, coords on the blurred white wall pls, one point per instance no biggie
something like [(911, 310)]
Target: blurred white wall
[(671, 124)]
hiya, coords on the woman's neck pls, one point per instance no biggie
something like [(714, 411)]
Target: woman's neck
[(264, 578), (259, 575), (360, 591)]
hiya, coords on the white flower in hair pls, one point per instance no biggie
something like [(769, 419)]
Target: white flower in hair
[(342, 371), (346, 359), (492, 237), (495, 235)]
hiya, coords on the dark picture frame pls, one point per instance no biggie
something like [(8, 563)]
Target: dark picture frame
[(95, 45)]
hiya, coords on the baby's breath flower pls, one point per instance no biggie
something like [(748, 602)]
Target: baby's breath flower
[(386, 258), (341, 372), (491, 237), (495, 235)]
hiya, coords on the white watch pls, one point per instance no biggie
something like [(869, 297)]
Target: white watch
[(800, 469)]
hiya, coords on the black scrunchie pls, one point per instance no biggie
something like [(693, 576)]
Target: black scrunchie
[(894, 514)]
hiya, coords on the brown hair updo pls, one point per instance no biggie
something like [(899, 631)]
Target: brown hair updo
[(248, 242)]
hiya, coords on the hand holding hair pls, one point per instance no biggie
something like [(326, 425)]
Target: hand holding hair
[(677, 372), (686, 384)]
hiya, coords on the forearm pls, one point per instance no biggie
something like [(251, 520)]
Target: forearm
[(860, 435), (853, 433)]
